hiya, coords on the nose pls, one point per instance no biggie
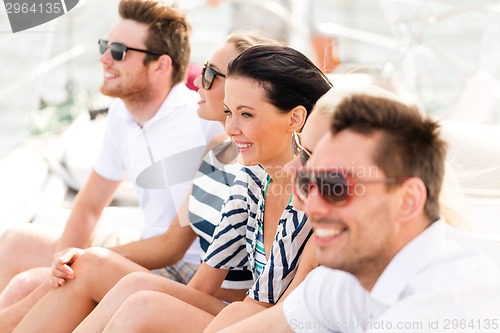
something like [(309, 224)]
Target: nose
[(232, 126), (197, 82), (106, 58), (315, 206)]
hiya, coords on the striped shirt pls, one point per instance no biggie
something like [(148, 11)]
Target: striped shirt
[(235, 238), (210, 189)]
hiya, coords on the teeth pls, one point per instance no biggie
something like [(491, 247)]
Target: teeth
[(242, 146), (108, 75), (326, 233)]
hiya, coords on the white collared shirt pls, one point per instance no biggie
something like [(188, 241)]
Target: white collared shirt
[(440, 258)]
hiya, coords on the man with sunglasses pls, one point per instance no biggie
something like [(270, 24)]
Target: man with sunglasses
[(144, 58), (371, 190)]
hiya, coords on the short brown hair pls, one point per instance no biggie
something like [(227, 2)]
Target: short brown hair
[(168, 31), (410, 145)]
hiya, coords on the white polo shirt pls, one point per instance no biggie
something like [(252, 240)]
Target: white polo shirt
[(129, 151), (441, 258)]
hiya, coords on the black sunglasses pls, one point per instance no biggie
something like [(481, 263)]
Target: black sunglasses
[(208, 75), (334, 186), (118, 50), (299, 150)]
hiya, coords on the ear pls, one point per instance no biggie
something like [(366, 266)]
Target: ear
[(162, 64), (413, 195), (297, 118)]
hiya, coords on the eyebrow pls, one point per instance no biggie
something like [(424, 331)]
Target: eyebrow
[(239, 107)]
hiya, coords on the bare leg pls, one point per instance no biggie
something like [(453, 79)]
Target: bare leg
[(232, 314), (12, 315), (135, 282), (152, 311), (22, 285), (22, 249), (97, 270), (271, 320)]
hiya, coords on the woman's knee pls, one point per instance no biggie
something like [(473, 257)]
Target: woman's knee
[(135, 281), (134, 315)]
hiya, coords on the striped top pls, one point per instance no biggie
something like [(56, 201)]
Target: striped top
[(235, 238), (210, 190)]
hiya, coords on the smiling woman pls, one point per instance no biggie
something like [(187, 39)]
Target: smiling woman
[(260, 230)]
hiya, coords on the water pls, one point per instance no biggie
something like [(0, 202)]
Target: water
[(433, 61)]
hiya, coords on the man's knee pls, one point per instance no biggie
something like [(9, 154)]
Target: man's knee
[(90, 260)]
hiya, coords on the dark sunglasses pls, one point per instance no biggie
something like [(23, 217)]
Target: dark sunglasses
[(118, 50), (299, 150), (334, 186), (208, 74)]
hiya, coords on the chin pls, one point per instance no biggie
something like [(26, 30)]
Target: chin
[(240, 160), (326, 259), (108, 92)]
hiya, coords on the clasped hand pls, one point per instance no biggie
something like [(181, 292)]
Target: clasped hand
[(61, 266)]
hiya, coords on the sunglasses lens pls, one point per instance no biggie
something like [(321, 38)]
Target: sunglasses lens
[(302, 184), (118, 51), (103, 46), (208, 76), (304, 157), (332, 186)]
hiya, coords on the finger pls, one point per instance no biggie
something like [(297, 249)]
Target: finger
[(66, 258), (69, 273), (65, 272)]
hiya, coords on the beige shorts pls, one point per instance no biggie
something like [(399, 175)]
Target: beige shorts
[(181, 272)]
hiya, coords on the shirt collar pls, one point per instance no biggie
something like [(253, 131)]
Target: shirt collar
[(178, 96), (408, 262)]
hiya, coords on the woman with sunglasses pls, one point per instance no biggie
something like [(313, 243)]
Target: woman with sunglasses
[(210, 189), (269, 93)]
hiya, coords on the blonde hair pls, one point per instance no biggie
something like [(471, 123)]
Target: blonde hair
[(245, 39)]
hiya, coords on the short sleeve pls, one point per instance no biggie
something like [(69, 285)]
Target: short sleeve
[(309, 307), (109, 163)]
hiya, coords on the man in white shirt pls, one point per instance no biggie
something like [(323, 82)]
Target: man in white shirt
[(371, 192), (144, 59)]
